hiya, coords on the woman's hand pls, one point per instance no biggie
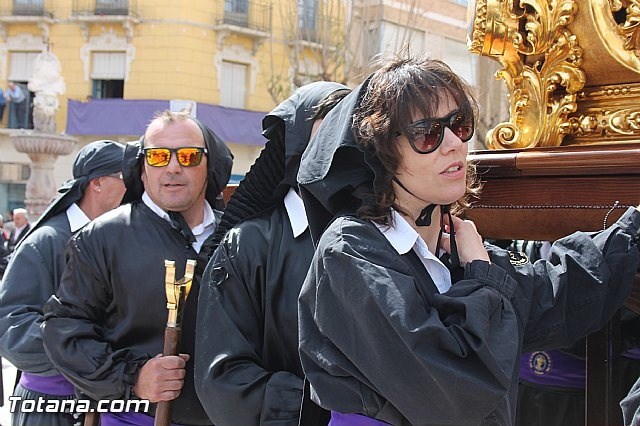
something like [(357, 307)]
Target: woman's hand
[(468, 241)]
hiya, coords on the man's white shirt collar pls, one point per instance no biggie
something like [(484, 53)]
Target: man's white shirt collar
[(296, 212), (404, 238), (76, 217), (201, 231)]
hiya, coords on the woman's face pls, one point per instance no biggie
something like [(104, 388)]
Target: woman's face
[(438, 177)]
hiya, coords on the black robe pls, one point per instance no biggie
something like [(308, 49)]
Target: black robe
[(247, 367), (109, 314), (31, 279), (376, 339), (247, 361)]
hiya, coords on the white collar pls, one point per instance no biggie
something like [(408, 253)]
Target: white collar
[(400, 234), (207, 220), (76, 217), (154, 207), (297, 214), (404, 238)]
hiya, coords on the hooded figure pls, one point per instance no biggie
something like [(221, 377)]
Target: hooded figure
[(247, 366), (116, 266), (389, 333), (99, 158), (34, 275)]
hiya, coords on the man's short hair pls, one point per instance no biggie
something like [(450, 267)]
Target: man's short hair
[(20, 211)]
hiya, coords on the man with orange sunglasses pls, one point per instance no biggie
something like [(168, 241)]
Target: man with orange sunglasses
[(104, 328)]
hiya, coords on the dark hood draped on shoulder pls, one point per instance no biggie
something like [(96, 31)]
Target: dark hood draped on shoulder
[(287, 129), (336, 173), (99, 158), (219, 163)]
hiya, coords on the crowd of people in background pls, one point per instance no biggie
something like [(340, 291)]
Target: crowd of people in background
[(340, 285), (12, 232)]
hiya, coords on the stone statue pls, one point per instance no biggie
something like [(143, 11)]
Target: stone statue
[(47, 83)]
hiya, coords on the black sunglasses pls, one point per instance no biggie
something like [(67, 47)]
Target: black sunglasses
[(426, 135), (190, 156)]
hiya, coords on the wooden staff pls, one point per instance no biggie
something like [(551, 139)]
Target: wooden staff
[(92, 419), (177, 292)]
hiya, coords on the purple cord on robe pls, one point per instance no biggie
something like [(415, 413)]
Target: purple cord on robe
[(127, 419), (49, 385), (339, 419)]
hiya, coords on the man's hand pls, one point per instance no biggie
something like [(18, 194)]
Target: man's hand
[(161, 378)]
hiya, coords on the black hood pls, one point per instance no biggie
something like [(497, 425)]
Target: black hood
[(219, 163), (96, 159), (293, 117), (336, 173), (288, 129)]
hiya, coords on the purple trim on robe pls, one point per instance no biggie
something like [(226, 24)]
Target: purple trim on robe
[(552, 368), (339, 419), (127, 419), (48, 385), (633, 353)]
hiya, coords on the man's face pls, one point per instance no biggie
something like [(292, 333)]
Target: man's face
[(112, 190), (19, 219), (175, 187)]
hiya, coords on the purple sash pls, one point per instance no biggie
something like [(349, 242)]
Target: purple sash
[(339, 419), (127, 419), (552, 368), (48, 385)]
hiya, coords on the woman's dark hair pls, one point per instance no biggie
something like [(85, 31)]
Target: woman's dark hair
[(327, 104), (395, 93)]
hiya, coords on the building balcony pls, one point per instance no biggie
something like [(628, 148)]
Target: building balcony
[(101, 9), (248, 17), (317, 31), (25, 10)]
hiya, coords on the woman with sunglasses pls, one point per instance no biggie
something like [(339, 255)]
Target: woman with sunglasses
[(406, 317)]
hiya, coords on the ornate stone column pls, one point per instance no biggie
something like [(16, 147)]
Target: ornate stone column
[(43, 150)]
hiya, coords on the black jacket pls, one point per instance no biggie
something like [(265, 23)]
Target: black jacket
[(112, 294), (376, 339)]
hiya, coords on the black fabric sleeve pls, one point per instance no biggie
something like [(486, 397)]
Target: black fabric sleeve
[(72, 332), (585, 281)]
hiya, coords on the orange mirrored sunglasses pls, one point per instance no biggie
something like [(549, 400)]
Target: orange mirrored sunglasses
[(189, 156)]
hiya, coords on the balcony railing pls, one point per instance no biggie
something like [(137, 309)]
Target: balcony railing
[(104, 8), (320, 29), (249, 14), (33, 8)]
